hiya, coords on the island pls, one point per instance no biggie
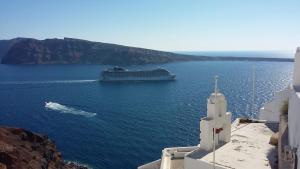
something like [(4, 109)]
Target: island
[(77, 51)]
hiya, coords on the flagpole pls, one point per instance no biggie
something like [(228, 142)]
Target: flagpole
[(214, 127), (253, 91)]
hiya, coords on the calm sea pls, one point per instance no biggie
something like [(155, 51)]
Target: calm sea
[(264, 54), (124, 125)]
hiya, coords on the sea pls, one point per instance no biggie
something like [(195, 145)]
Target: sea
[(126, 124)]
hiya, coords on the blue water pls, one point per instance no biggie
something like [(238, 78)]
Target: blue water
[(264, 54), (123, 125)]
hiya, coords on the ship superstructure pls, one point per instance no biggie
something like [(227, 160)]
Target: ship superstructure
[(122, 74)]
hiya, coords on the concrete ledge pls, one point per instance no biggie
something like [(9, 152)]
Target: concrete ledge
[(151, 165), (249, 148)]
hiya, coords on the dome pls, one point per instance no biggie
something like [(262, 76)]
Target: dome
[(220, 97)]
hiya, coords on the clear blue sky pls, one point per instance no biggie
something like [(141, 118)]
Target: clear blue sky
[(170, 25)]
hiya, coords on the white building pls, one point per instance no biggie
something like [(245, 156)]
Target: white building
[(241, 145), (217, 116), (244, 144), (271, 110), (288, 150)]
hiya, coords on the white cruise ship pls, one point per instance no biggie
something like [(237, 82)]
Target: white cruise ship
[(121, 74)]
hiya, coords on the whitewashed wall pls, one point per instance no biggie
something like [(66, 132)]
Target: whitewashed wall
[(190, 163), (271, 110), (294, 122), (294, 108)]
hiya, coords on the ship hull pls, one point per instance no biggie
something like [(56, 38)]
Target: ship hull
[(113, 79), (120, 74)]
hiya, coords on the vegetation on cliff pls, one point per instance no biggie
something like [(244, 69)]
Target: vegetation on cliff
[(22, 149), (76, 51)]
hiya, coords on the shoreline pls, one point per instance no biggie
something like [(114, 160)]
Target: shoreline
[(200, 59), (21, 148)]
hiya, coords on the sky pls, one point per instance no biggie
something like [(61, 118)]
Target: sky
[(170, 25)]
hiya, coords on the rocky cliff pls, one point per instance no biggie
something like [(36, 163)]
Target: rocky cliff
[(22, 149), (5, 45), (76, 51)]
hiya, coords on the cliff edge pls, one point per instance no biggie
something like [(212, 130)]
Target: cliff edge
[(77, 51), (22, 149)]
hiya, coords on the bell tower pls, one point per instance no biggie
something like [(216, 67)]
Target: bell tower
[(217, 123)]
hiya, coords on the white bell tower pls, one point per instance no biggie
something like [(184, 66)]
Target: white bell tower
[(218, 120)]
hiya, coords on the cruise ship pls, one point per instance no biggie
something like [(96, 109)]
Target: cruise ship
[(121, 74)]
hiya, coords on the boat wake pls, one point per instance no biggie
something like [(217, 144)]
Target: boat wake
[(67, 110), (46, 82)]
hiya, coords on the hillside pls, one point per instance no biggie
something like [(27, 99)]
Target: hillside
[(22, 149), (76, 51), (5, 45)]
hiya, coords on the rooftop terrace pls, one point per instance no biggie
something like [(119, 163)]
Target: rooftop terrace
[(249, 147)]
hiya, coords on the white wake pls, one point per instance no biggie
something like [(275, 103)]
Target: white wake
[(46, 82), (68, 110)]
